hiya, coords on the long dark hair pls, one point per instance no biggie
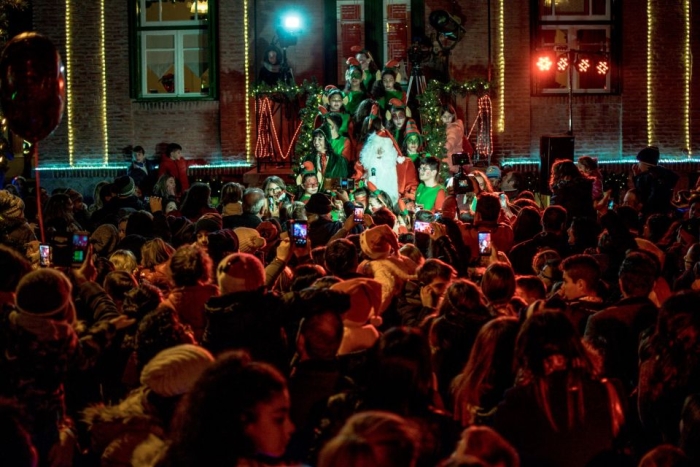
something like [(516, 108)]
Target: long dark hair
[(564, 170), (209, 428), (548, 343), (196, 199), (489, 368)]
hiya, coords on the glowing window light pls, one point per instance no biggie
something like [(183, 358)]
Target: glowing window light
[(562, 63), (69, 87), (583, 65), (687, 62), (650, 92), (248, 119), (602, 67), (544, 63), (103, 59), (501, 125)]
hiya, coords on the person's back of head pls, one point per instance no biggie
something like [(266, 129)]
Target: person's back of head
[(554, 219), (498, 282), (305, 275), (488, 446), (158, 330), (189, 265), (488, 206), (434, 268), (253, 201), (240, 272), (665, 455), (530, 288), (375, 438), (124, 260), (341, 257), (118, 283), (383, 216), (690, 427), (638, 273), (320, 335)]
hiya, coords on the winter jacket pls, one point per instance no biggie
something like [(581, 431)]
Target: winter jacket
[(189, 303)]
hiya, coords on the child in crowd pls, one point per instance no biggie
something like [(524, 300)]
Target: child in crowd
[(388, 87), (355, 90), (430, 194)]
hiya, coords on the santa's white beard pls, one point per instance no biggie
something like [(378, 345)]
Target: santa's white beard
[(381, 170)]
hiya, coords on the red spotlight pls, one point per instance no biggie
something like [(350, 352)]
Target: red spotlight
[(584, 63), (603, 66), (562, 62), (544, 63)]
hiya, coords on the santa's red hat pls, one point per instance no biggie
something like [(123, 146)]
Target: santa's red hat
[(378, 242)]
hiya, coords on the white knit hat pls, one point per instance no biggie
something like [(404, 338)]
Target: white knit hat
[(249, 240), (174, 371)]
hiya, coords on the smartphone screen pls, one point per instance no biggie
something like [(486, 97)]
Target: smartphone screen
[(504, 200), (80, 246), (44, 255), (359, 213), (611, 205), (484, 243), (422, 226), (300, 232)]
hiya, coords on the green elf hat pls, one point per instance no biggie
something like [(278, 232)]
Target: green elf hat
[(412, 131)]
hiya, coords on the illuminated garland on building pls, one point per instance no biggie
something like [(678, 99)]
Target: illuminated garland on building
[(103, 59), (650, 91), (246, 46), (688, 63), (501, 69), (69, 85)]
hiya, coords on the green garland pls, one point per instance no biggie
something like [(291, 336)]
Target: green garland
[(434, 97), (293, 93)]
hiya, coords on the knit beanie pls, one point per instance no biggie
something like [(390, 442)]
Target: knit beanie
[(365, 299), (249, 240), (125, 186), (222, 241), (268, 230), (104, 239), (174, 371), (650, 155), (377, 242), (211, 222), (318, 204), (11, 205), (240, 272), (44, 292)]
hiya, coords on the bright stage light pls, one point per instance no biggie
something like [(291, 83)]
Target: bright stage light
[(291, 22), (563, 62)]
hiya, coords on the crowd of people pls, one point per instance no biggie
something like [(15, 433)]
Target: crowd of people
[(388, 307), (491, 330)]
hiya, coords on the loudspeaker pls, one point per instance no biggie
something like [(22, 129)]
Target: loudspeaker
[(553, 148)]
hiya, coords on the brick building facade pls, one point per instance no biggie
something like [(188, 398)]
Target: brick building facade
[(608, 125)]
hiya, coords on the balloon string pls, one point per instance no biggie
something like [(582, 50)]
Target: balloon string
[(40, 215)]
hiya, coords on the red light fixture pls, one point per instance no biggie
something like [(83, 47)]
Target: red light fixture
[(563, 62), (583, 64), (603, 66), (544, 63)]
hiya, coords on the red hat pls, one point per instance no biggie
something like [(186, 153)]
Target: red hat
[(365, 299), (240, 272), (352, 61), (377, 242)]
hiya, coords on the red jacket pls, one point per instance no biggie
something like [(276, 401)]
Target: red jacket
[(177, 169)]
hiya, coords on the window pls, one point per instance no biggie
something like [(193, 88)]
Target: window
[(175, 49), (575, 45)]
